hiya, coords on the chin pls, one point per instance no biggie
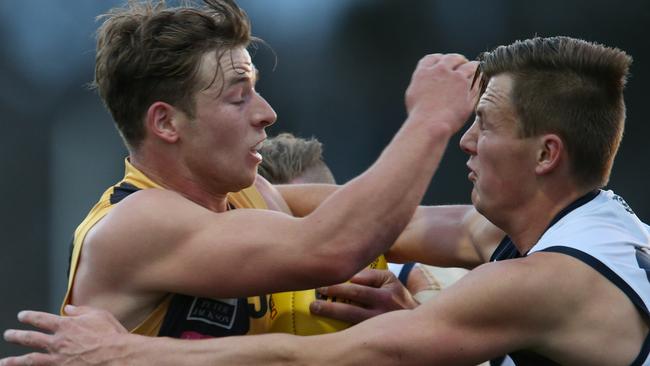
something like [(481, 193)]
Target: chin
[(249, 180), (474, 196), (476, 202)]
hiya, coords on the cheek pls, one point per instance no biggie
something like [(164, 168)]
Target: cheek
[(488, 155), (494, 167)]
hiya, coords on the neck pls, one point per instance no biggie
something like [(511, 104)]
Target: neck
[(168, 174), (526, 226)]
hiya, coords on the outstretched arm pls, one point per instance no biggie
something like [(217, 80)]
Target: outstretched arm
[(272, 251), (471, 322)]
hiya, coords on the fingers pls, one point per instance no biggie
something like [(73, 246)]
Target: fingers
[(341, 311), (38, 319), (353, 292), (32, 359), (453, 60), (373, 277), (440, 90), (28, 338), (430, 60), (468, 68), (72, 310)]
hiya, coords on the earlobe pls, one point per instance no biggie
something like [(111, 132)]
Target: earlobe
[(160, 121), (549, 153)]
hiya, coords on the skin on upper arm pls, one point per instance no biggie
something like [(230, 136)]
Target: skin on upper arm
[(548, 303), (468, 323), (482, 316), (447, 236), (156, 241)]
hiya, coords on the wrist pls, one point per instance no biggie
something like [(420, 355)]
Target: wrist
[(436, 125), (131, 349)]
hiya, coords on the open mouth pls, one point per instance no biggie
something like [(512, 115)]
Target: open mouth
[(255, 150), (258, 146)]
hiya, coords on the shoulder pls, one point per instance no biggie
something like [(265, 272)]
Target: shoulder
[(141, 225), (525, 301)]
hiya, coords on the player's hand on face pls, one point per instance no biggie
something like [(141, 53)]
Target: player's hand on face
[(441, 90), (370, 292), (65, 339)]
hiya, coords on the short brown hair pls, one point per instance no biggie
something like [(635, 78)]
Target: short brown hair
[(570, 87), (286, 157), (147, 52)]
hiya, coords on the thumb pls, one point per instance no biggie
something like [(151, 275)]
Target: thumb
[(73, 310), (372, 277)]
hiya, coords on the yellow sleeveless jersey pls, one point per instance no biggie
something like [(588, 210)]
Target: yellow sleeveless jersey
[(182, 316)]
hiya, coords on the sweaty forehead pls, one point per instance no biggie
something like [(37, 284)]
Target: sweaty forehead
[(233, 65), (237, 61), (497, 94)]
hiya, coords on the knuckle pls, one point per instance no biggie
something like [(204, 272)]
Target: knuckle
[(62, 323), (26, 338), (29, 359), (56, 344), (354, 292)]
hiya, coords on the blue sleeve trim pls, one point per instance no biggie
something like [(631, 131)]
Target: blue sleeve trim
[(603, 270), (616, 280), (405, 271), (645, 350)]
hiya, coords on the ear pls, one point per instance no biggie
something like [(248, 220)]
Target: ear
[(161, 121), (549, 153)]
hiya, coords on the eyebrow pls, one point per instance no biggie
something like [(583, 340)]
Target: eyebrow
[(244, 77)]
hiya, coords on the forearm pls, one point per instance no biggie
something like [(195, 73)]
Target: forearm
[(364, 217), (446, 236), (351, 347), (303, 199), (436, 236), (372, 210), (276, 349)]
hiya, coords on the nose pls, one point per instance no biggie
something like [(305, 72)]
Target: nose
[(468, 141), (263, 113)]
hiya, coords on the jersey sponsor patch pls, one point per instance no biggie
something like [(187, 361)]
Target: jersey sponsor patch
[(620, 200), (199, 317), (219, 312)]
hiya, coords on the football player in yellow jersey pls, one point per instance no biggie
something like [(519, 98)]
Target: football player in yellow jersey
[(178, 247)]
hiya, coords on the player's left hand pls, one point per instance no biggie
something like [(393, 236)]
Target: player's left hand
[(371, 292), (68, 340)]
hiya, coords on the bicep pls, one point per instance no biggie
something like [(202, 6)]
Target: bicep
[(474, 320), (173, 245)]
